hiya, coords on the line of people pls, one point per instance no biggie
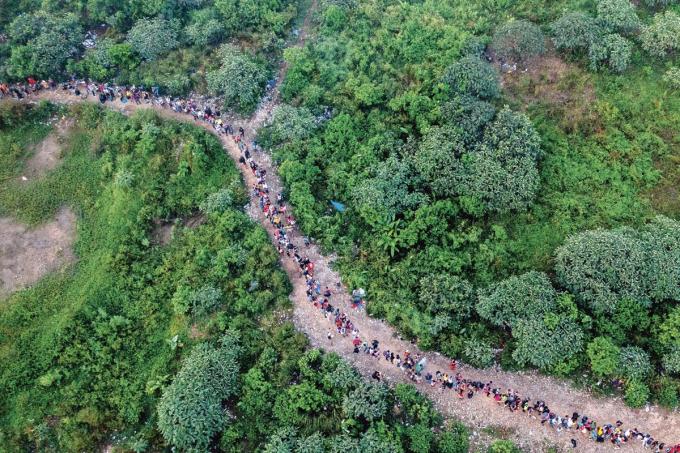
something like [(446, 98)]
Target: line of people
[(277, 213)]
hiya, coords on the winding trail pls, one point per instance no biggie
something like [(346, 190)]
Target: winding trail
[(479, 412)]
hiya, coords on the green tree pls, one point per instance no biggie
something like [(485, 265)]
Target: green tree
[(662, 37), (469, 116), (612, 50), (288, 123), (218, 202), (574, 31), (41, 43), (545, 343), (366, 402), (634, 363), (618, 16), (449, 296), (671, 360), (604, 356), (153, 38), (528, 296), (454, 439), (672, 77), (602, 267), (472, 76), (438, 160), (518, 40), (636, 394), (205, 28), (240, 80), (190, 410), (501, 175)]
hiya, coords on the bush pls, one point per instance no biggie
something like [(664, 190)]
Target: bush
[(659, 3), (604, 356), (637, 394), (672, 77), (288, 123), (153, 38), (367, 402), (438, 160), (478, 353), (454, 439), (41, 44), (218, 202), (205, 28), (662, 37), (613, 51), (529, 295), (634, 363), (469, 116), (240, 79), (618, 16), (199, 302), (190, 409), (501, 174), (667, 394), (574, 31), (474, 77), (671, 360), (518, 40), (546, 342), (503, 446)]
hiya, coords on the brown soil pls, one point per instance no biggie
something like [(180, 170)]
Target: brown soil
[(565, 89), (47, 154), (26, 255)]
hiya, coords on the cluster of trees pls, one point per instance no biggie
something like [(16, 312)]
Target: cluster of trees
[(453, 198), (607, 39), (145, 346), (155, 43)]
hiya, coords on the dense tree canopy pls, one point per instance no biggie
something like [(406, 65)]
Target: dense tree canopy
[(153, 38), (240, 79), (518, 40)]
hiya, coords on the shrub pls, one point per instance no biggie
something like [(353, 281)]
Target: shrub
[(672, 77), (604, 356), (637, 394), (634, 363), (218, 202), (618, 16), (190, 410), (473, 76), (240, 79), (205, 28), (574, 31), (613, 51), (478, 353), (503, 446), (367, 402), (438, 160), (198, 302), (289, 123), (659, 3), (529, 295), (469, 116), (671, 360), (662, 37), (454, 439), (153, 38), (546, 342), (667, 394), (518, 40)]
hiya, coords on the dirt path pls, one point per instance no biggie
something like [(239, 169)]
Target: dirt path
[(479, 412)]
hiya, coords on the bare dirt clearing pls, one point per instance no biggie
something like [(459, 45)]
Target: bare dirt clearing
[(47, 154), (26, 255)]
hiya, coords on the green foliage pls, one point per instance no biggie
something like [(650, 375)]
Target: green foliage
[(153, 38), (672, 77), (603, 267), (634, 363), (671, 360), (473, 76), (454, 439), (438, 160), (200, 302), (662, 37), (545, 343), (468, 115), (667, 393), (218, 202), (367, 402), (612, 50), (190, 409), (574, 31), (618, 16), (518, 40), (448, 296), (288, 123), (530, 295), (503, 446), (637, 394), (205, 28), (41, 43), (240, 79), (604, 356)]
